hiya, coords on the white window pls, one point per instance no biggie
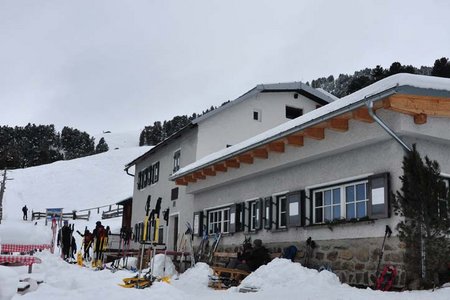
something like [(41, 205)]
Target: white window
[(176, 160), (252, 214), (281, 211), (346, 201), (219, 221)]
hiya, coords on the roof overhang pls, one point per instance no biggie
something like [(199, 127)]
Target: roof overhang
[(393, 93)]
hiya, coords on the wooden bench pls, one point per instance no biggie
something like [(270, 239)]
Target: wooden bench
[(225, 277)]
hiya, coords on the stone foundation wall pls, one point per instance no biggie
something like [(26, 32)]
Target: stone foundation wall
[(354, 261)]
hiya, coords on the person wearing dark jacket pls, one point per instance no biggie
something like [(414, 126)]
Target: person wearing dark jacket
[(25, 213), (64, 240), (258, 257)]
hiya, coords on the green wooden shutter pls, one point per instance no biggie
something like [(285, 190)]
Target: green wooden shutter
[(267, 213), (198, 223)]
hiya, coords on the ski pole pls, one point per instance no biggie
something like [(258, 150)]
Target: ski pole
[(387, 233)]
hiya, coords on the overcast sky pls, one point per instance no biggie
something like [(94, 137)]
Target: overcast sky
[(120, 65)]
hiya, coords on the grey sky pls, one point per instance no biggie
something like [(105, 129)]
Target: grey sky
[(120, 65)]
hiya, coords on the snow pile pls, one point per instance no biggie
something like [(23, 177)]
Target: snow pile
[(18, 232), (8, 283), (284, 273), (163, 266), (195, 278)]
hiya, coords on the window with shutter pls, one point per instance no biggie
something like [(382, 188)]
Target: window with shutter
[(268, 213), (295, 202), (259, 214), (198, 223), (379, 205)]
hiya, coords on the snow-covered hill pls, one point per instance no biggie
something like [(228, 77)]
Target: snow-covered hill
[(74, 184)]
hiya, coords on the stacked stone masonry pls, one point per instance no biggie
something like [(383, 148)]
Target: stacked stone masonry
[(354, 261)]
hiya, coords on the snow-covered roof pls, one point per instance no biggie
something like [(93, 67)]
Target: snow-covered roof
[(317, 95), (399, 83)]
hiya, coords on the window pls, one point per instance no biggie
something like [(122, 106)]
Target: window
[(252, 215), (356, 201), (347, 201), (293, 112), (174, 194), (219, 221), (281, 211), (257, 115), (176, 160), (155, 173)]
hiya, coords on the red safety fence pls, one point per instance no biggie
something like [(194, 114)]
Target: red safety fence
[(24, 248)]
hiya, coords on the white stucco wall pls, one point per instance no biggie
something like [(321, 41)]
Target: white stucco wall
[(364, 149), (236, 123)]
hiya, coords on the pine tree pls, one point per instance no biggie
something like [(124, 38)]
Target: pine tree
[(441, 68), (423, 202), (102, 146)]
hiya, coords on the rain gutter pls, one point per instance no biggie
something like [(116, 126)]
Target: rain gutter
[(371, 98)]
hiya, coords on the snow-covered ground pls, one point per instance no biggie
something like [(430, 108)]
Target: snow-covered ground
[(99, 180)]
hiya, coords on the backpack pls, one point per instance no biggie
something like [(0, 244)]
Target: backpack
[(101, 232), (289, 252), (386, 278)]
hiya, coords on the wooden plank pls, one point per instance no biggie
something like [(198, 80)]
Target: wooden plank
[(189, 178), (199, 175), (420, 119), (246, 158), (260, 153), (277, 146), (232, 163), (180, 181), (220, 167), (295, 140), (338, 124), (362, 114), (415, 104), (209, 172), (314, 133)]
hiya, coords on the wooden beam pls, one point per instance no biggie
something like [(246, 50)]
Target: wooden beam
[(362, 114), (314, 133), (220, 167), (420, 119), (189, 178), (232, 163), (338, 124), (260, 153), (416, 104), (180, 181), (295, 140), (245, 158), (199, 175), (209, 172), (277, 146)]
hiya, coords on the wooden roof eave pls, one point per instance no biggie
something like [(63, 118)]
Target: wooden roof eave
[(357, 110)]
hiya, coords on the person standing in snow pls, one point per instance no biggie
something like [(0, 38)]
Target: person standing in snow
[(25, 213), (64, 240), (88, 238), (100, 243)]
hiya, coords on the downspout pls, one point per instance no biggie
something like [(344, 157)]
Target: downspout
[(126, 170), (369, 104)]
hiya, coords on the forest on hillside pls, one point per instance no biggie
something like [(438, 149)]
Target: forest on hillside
[(33, 145)]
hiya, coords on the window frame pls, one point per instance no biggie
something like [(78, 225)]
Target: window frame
[(252, 215), (279, 212), (342, 202), (221, 217), (176, 160), (259, 114)]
